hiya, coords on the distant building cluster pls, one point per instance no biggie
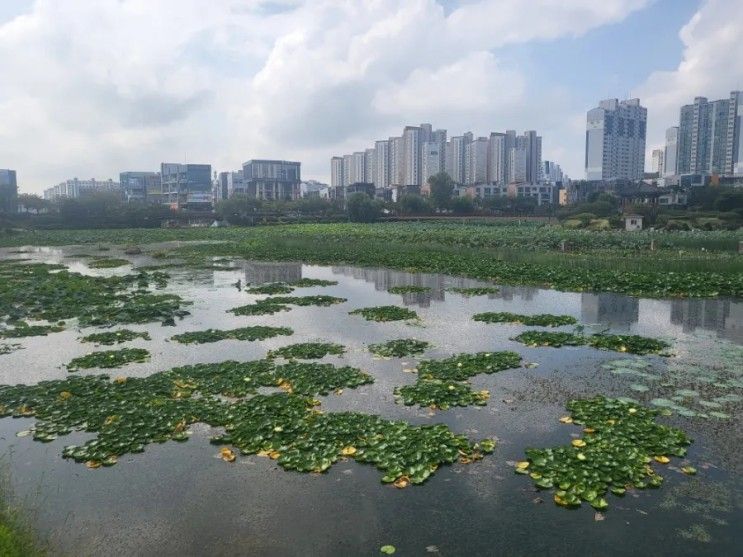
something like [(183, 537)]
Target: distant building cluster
[(708, 139), (406, 162)]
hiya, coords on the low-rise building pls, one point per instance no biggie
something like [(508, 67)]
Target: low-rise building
[(187, 186), (272, 179), (140, 186), (74, 188)]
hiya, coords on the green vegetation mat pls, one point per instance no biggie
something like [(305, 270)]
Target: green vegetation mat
[(540, 320), (310, 282), (632, 344), (271, 288), (8, 348), (621, 442), (399, 348), (108, 263), (307, 351), (115, 337), (52, 293), (441, 394), (21, 329), (243, 333), (442, 383), (411, 289), (109, 359), (385, 313), (474, 290), (274, 304), (129, 413), (505, 254)]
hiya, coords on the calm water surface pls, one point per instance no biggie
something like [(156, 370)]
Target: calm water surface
[(180, 499)]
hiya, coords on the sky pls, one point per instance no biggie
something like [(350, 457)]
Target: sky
[(90, 88)]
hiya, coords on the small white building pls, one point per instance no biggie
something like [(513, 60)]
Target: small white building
[(632, 222)]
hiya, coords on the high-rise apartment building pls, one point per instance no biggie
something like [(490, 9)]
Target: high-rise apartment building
[(615, 140), (8, 191), (709, 136), (358, 168), (272, 179), (336, 172), (397, 161), (497, 155), (517, 164), (656, 161), (382, 164), (432, 159), (476, 162), (734, 157), (412, 154), (532, 143), (347, 170), (369, 166), (671, 153)]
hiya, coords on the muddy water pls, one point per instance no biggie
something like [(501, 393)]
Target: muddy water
[(178, 499)]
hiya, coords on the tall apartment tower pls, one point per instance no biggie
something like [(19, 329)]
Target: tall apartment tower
[(476, 162), (734, 156), (533, 145), (381, 164), (397, 163), (347, 170), (432, 159), (358, 168), (336, 172), (369, 166), (412, 145), (656, 161), (671, 153), (615, 140), (455, 157)]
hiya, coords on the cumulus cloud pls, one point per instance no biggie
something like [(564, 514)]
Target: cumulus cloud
[(93, 87), (712, 66)]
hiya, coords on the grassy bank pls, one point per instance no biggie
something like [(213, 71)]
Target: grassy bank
[(701, 264), (16, 536)]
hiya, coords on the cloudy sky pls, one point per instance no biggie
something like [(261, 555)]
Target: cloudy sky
[(89, 88)]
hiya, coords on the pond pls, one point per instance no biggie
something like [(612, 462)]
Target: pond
[(183, 499)]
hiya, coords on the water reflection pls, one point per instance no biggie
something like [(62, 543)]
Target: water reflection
[(262, 272), (615, 311)]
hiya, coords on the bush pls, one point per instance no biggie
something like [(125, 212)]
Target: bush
[(677, 224), (411, 204), (362, 208)]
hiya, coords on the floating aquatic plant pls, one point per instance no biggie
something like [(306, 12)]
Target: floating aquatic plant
[(108, 263), (319, 300), (540, 320), (259, 308), (271, 288), (310, 282), (441, 383), (441, 394), (307, 351), (621, 440), (115, 337), (22, 329), (8, 348), (463, 366), (408, 289), (385, 313), (474, 290), (633, 344), (127, 414), (399, 348), (244, 333), (109, 359)]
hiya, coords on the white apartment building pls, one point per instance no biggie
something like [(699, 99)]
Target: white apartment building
[(381, 164), (476, 162)]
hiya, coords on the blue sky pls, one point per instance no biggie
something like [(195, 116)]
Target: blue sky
[(95, 87)]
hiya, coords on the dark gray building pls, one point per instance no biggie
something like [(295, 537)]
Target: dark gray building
[(272, 179), (187, 186), (140, 186), (8, 191)]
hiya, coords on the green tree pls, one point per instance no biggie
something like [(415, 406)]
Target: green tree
[(442, 187), (411, 204), (362, 208), (462, 205)]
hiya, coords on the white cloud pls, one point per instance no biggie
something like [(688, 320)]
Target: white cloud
[(712, 66), (93, 87)]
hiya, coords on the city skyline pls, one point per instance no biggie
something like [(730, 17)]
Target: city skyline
[(217, 91)]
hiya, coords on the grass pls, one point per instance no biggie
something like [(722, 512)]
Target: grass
[(17, 538)]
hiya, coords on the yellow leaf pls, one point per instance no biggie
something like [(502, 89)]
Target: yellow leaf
[(581, 456), (348, 451), (662, 459), (632, 410), (273, 455), (64, 395), (228, 455), (560, 501), (339, 391), (589, 430), (566, 420), (120, 379), (523, 465), (263, 453), (93, 464), (402, 482), (578, 443)]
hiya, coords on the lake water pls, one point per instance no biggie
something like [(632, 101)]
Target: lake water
[(180, 499)]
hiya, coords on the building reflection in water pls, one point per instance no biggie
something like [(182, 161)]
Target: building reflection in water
[(725, 317), (618, 312), (525, 293), (257, 272)]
